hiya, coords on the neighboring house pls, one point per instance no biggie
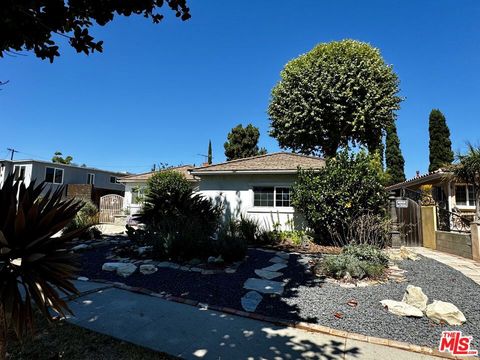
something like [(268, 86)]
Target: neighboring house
[(135, 186), (258, 187), (447, 193), (84, 182)]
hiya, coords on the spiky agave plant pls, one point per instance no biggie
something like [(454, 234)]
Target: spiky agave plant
[(34, 266)]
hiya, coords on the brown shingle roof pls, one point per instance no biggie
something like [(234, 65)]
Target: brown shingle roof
[(183, 169), (421, 179), (275, 162)]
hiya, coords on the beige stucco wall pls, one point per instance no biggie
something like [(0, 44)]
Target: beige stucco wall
[(454, 243)]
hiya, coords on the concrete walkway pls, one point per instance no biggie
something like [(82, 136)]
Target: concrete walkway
[(467, 267), (198, 333)]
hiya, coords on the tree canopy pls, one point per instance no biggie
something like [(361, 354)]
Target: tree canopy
[(58, 158), (31, 25), (243, 142), (393, 156), (440, 146), (338, 93)]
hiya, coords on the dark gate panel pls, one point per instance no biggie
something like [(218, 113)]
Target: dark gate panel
[(410, 222)]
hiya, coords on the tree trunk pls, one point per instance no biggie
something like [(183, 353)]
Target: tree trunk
[(477, 204), (3, 334)]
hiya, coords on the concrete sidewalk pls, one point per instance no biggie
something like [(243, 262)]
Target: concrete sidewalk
[(195, 333)]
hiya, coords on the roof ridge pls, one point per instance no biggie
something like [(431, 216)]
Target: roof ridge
[(150, 172), (257, 157)]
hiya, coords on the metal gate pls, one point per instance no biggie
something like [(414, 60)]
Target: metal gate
[(409, 219), (110, 205)]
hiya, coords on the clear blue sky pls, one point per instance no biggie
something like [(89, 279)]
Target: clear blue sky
[(158, 93)]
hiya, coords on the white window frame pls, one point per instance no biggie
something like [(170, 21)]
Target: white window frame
[(54, 175), (470, 203), (93, 178), (24, 167), (113, 182), (274, 196)]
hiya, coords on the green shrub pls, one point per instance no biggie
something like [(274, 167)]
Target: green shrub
[(366, 253), (179, 224), (85, 219), (357, 261), (348, 186), (231, 243), (248, 229)]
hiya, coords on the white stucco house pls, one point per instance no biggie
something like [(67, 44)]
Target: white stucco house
[(257, 187), (135, 186)]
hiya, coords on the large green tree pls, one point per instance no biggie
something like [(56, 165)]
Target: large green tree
[(30, 24), (338, 93), (395, 163), (440, 146), (243, 142)]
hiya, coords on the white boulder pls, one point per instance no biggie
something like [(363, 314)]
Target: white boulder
[(440, 311), (147, 269), (81, 247), (122, 269), (401, 309), (415, 296)]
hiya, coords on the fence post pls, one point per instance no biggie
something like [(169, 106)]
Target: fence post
[(475, 234), (429, 226), (394, 232)]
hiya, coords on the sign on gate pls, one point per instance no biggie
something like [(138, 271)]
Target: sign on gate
[(401, 204)]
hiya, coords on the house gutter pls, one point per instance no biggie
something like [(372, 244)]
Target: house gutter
[(244, 172), (417, 181)]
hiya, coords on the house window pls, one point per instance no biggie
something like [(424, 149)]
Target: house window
[(53, 175), (90, 179), (270, 196), (282, 197), (138, 194), (19, 171), (113, 179), (464, 195)]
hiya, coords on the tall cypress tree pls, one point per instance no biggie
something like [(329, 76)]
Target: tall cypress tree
[(394, 160), (440, 146), (210, 156)]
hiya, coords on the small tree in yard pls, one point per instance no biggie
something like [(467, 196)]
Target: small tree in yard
[(468, 169), (338, 93), (393, 156), (348, 186), (242, 142), (34, 265)]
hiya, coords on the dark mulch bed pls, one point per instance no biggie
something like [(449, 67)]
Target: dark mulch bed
[(308, 298)]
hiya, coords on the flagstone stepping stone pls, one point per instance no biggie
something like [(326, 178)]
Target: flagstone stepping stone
[(251, 300), (264, 286), (278, 260), (275, 267), (269, 275), (283, 255)]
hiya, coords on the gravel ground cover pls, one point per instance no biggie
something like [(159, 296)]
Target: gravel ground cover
[(318, 301), (308, 298)]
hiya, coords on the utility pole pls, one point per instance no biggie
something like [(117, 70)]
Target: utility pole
[(13, 151)]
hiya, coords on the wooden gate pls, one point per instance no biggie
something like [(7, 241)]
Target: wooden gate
[(409, 218), (110, 205)]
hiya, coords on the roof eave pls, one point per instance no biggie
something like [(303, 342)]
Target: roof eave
[(245, 172), (418, 181)]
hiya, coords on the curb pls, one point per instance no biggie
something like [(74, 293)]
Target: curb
[(282, 322)]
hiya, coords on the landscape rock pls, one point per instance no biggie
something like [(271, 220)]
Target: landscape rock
[(440, 311), (414, 296), (269, 275), (82, 278), (215, 260), (143, 249), (81, 247), (148, 269), (402, 254), (251, 300), (401, 309), (275, 267), (264, 286), (278, 260), (122, 269)]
